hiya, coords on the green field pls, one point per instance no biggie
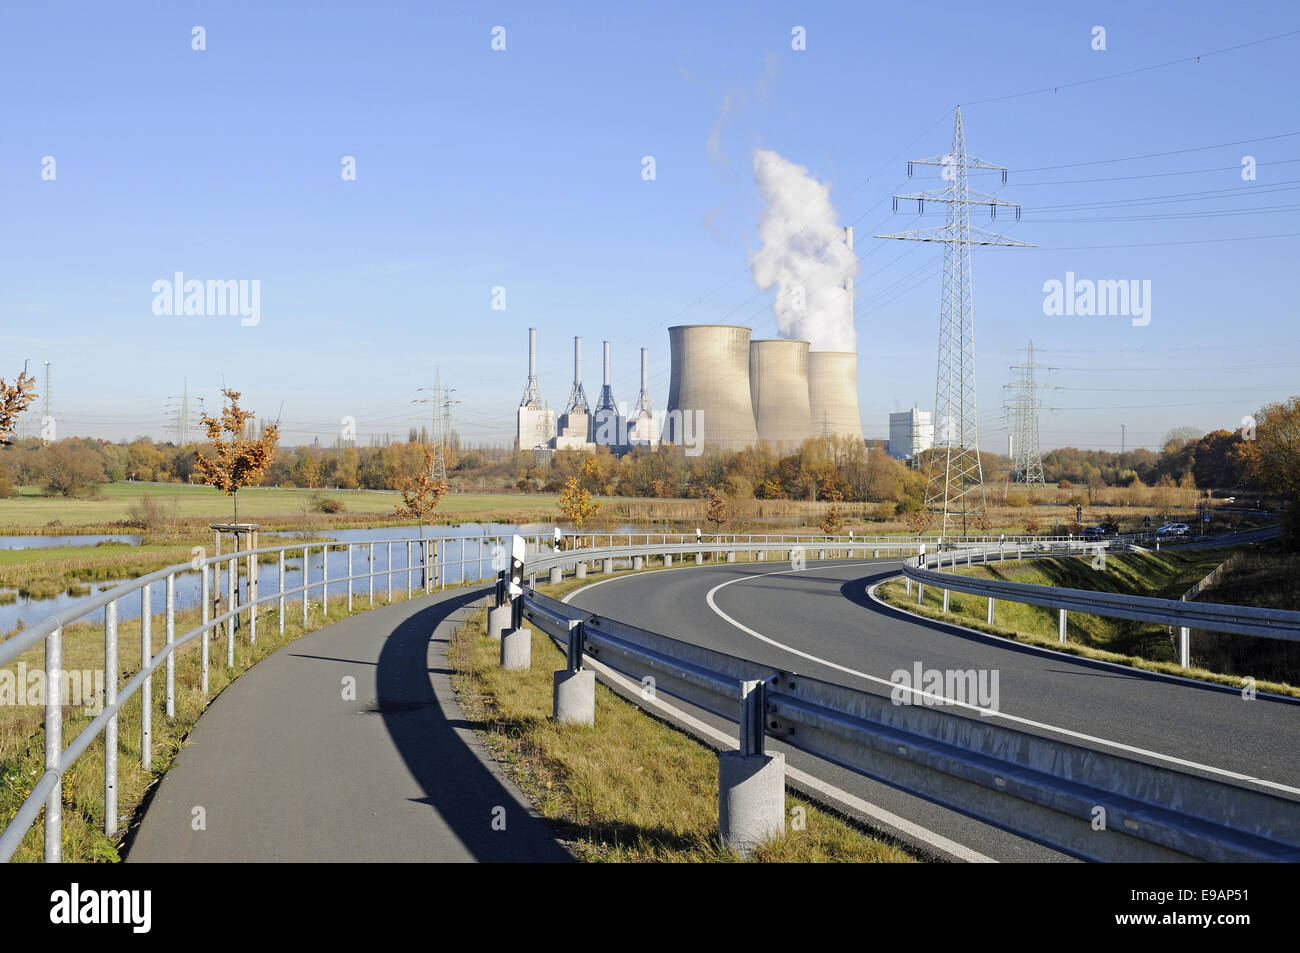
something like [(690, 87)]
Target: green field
[(276, 507)]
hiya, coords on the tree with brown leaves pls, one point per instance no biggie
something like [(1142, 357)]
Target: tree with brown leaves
[(832, 524), (14, 399), (718, 511), (421, 494), (238, 460)]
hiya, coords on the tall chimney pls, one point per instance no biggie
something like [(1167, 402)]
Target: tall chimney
[(577, 360), (606, 363), (644, 377), (532, 352)]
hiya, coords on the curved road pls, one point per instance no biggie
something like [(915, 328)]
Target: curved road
[(821, 622)]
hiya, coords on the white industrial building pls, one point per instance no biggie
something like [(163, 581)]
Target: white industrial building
[(910, 432), (534, 423)]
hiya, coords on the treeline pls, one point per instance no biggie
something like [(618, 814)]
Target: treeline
[(74, 466)]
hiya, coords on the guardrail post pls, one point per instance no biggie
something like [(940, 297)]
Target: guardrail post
[(1060, 626), (110, 730), (1184, 646), (325, 578), (573, 693), (207, 632), (920, 593), (907, 580), (945, 601), (281, 592), (990, 618), (370, 574), (517, 649), (751, 783), (232, 577), (251, 589), (500, 617), (54, 744), (408, 569), (146, 690), (170, 680), (306, 551), (349, 577)]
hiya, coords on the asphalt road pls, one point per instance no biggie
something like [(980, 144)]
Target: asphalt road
[(287, 766), (820, 622)]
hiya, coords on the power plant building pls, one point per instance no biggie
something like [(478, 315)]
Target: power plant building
[(534, 423), (709, 389), (642, 427), (575, 424), (778, 387), (910, 433), (833, 394)]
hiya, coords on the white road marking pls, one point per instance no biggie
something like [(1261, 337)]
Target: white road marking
[(902, 824), (983, 711)]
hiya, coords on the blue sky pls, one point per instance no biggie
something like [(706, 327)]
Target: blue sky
[(522, 169)]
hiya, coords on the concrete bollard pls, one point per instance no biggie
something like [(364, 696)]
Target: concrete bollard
[(821, 554), (875, 554), (731, 556), (637, 562), (499, 621), (581, 571), (574, 697), (607, 566), (517, 650), (699, 559), (751, 799), (555, 575), (762, 555), (668, 560)]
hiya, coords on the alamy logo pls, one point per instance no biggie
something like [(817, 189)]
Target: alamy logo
[(73, 906), (213, 298), (1086, 298), (931, 686), (83, 688)]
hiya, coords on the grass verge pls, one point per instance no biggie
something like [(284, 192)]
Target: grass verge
[(629, 789), (1148, 647)]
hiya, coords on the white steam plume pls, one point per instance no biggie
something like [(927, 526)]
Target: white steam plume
[(804, 255)]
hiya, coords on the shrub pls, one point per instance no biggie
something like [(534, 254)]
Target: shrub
[(1017, 500)]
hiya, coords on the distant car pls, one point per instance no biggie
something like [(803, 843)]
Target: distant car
[(1174, 529), (1094, 532), (1230, 499)]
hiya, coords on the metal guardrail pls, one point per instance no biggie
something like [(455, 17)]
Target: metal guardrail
[(1241, 620), (428, 558), (1047, 790), (1087, 803)]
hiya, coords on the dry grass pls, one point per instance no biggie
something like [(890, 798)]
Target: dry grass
[(629, 789)]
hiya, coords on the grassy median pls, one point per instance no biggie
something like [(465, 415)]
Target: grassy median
[(629, 788)]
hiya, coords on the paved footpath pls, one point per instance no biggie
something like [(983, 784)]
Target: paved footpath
[(286, 768)]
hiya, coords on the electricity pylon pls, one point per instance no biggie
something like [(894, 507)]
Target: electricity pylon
[(956, 481), (1027, 457)]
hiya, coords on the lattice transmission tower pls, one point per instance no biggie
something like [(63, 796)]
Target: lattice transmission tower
[(442, 404), (955, 488), (1024, 405)]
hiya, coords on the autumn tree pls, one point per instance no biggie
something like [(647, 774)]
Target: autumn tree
[(1276, 461), (14, 399), (238, 460), (918, 521), (575, 499), (718, 511), (832, 525), (421, 494)]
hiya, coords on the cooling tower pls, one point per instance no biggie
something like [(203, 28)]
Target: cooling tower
[(778, 386), (833, 394), (708, 396)]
